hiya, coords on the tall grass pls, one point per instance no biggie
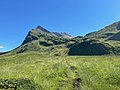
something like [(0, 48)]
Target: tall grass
[(58, 72)]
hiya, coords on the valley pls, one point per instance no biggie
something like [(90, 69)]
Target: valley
[(58, 61)]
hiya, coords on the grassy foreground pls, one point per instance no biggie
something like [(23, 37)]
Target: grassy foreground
[(59, 72)]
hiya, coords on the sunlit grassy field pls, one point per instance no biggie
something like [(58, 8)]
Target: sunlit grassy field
[(59, 72)]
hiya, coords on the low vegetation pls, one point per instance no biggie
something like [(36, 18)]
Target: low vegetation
[(48, 72), (45, 61)]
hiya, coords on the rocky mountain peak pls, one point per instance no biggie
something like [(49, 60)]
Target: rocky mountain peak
[(40, 28), (66, 35), (63, 35)]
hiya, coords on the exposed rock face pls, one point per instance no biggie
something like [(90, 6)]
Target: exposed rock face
[(42, 29), (40, 39), (41, 32), (57, 34), (63, 35), (77, 83), (29, 38), (118, 27), (115, 37)]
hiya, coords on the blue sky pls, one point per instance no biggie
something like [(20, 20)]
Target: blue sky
[(76, 17)]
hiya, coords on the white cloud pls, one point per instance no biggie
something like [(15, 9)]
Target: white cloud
[(1, 46)]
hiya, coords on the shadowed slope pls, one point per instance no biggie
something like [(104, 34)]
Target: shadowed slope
[(115, 37), (91, 48)]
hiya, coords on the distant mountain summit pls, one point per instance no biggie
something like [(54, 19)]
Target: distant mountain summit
[(103, 42), (106, 32), (42, 40), (66, 35), (41, 32), (57, 34), (40, 28), (63, 35)]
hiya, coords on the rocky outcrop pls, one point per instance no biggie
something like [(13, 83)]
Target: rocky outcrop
[(29, 38), (63, 35), (77, 84), (115, 37), (118, 27), (42, 29)]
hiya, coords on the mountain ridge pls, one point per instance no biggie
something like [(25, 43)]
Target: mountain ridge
[(106, 32), (102, 42)]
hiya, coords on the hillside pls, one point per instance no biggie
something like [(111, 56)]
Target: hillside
[(115, 37), (47, 72), (42, 40), (106, 32), (57, 61), (91, 47), (102, 42)]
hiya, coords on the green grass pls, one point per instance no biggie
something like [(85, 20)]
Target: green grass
[(58, 72)]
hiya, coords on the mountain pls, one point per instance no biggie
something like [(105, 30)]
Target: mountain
[(44, 41), (43, 33), (45, 61), (91, 47), (106, 32), (115, 37), (63, 35), (102, 42)]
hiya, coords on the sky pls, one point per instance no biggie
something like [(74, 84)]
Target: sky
[(76, 17)]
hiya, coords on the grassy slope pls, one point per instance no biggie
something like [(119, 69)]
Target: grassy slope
[(106, 32), (58, 72)]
